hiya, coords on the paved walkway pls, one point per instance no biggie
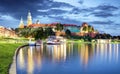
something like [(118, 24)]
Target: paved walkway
[(12, 69)]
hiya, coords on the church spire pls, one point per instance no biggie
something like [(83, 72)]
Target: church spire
[(21, 25), (29, 19)]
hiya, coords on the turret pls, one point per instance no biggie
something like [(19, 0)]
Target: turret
[(21, 25), (37, 22), (29, 19)]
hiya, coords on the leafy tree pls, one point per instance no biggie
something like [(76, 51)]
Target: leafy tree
[(39, 33), (68, 33), (48, 31), (59, 27), (87, 38), (17, 30), (33, 32), (24, 32)]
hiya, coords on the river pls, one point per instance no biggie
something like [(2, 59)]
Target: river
[(69, 58)]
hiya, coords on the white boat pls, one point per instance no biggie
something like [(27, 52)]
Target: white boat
[(52, 42), (55, 40)]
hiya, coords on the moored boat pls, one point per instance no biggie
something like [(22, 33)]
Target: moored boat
[(55, 40)]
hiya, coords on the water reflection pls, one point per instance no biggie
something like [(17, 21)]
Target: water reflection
[(21, 58), (57, 52), (107, 52), (86, 52), (30, 65), (29, 58), (37, 59)]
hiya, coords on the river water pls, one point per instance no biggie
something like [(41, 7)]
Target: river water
[(69, 58)]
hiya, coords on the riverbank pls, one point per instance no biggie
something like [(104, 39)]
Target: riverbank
[(93, 41), (7, 51), (26, 40)]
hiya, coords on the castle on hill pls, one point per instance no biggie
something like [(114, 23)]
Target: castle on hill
[(82, 30), (30, 24)]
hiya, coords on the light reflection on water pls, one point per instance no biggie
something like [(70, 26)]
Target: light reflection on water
[(69, 58)]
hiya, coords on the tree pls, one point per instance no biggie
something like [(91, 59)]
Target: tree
[(24, 32), (59, 27), (68, 33), (39, 33), (33, 32), (87, 38), (48, 31)]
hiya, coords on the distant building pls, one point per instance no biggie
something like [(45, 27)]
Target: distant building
[(86, 29), (4, 32), (72, 27)]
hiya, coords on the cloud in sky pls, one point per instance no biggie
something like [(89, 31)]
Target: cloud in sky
[(102, 22), (76, 3), (95, 12)]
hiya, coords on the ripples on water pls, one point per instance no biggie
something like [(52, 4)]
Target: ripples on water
[(69, 58)]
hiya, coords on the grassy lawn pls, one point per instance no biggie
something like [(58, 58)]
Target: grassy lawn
[(14, 40), (6, 55)]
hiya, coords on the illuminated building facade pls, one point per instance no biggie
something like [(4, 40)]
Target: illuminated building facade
[(5, 32), (86, 29)]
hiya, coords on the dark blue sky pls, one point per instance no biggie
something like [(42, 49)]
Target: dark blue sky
[(104, 15)]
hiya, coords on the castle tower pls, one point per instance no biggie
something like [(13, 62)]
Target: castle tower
[(21, 25), (29, 19), (37, 22)]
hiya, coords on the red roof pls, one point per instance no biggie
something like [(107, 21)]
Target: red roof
[(37, 25), (70, 25), (52, 24)]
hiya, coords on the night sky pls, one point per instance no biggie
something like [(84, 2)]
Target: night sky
[(104, 15)]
